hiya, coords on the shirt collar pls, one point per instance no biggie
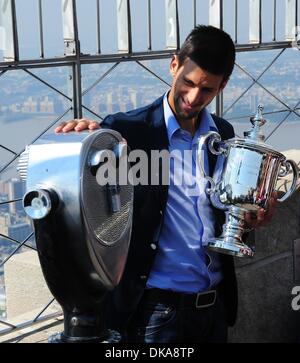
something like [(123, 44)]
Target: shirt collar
[(206, 123), (170, 120)]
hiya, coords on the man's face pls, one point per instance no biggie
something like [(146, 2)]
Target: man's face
[(192, 89)]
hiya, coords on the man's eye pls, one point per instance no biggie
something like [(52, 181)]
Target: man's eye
[(207, 90), (189, 83)]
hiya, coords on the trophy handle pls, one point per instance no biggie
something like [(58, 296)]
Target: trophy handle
[(212, 188), (213, 141), (285, 172)]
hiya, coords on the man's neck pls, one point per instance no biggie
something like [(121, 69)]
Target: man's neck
[(190, 125)]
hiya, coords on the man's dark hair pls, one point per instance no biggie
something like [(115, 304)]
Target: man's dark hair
[(211, 49)]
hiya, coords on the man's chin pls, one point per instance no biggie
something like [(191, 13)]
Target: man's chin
[(188, 116), (185, 115)]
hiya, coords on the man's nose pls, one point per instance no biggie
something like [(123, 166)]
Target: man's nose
[(194, 96)]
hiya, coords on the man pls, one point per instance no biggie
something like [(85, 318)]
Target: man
[(173, 289)]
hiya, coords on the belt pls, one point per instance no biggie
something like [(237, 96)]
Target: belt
[(198, 300)]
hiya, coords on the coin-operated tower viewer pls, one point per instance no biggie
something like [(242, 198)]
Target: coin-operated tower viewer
[(82, 227)]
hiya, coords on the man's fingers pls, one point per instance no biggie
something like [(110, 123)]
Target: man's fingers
[(94, 125), (86, 124), (81, 125), (69, 126), (77, 125), (60, 127)]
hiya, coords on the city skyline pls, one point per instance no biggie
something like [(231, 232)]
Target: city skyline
[(25, 99)]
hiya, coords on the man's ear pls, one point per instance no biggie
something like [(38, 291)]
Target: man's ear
[(223, 85), (174, 65)]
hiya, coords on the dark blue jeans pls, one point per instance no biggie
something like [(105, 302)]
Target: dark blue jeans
[(155, 322)]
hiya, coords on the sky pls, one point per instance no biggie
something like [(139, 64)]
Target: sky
[(27, 19)]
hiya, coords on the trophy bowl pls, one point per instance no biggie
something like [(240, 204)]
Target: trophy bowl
[(250, 171)]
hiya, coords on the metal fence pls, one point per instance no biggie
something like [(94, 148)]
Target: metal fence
[(96, 42)]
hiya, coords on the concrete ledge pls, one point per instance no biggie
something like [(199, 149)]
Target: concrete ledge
[(37, 333), (26, 290)]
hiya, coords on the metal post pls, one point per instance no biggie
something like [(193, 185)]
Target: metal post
[(274, 19), (149, 26), (255, 21), (216, 19), (68, 27), (296, 20), (40, 11), (9, 37), (235, 21), (129, 27), (195, 12), (219, 105), (172, 25), (76, 69), (98, 28), (72, 48), (290, 20), (15, 31), (124, 26), (216, 13)]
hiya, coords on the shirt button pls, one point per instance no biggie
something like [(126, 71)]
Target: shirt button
[(153, 246), (160, 212), (143, 277)]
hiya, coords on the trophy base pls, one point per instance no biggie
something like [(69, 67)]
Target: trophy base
[(236, 249), (231, 240)]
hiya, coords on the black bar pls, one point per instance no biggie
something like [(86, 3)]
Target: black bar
[(149, 26), (129, 28), (98, 27), (42, 53), (77, 97), (274, 19), (15, 30)]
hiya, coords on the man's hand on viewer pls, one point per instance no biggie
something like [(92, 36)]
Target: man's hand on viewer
[(77, 125)]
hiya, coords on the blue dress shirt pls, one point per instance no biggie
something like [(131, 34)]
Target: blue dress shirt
[(182, 263)]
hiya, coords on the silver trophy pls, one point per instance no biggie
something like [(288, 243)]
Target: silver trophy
[(248, 179)]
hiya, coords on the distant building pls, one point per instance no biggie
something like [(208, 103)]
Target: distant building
[(29, 106), (4, 187), (2, 299), (254, 102), (122, 106), (109, 102), (4, 208), (15, 108), (127, 106), (133, 98), (46, 106), (115, 108), (102, 108), (15, 191), (4, 223)]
